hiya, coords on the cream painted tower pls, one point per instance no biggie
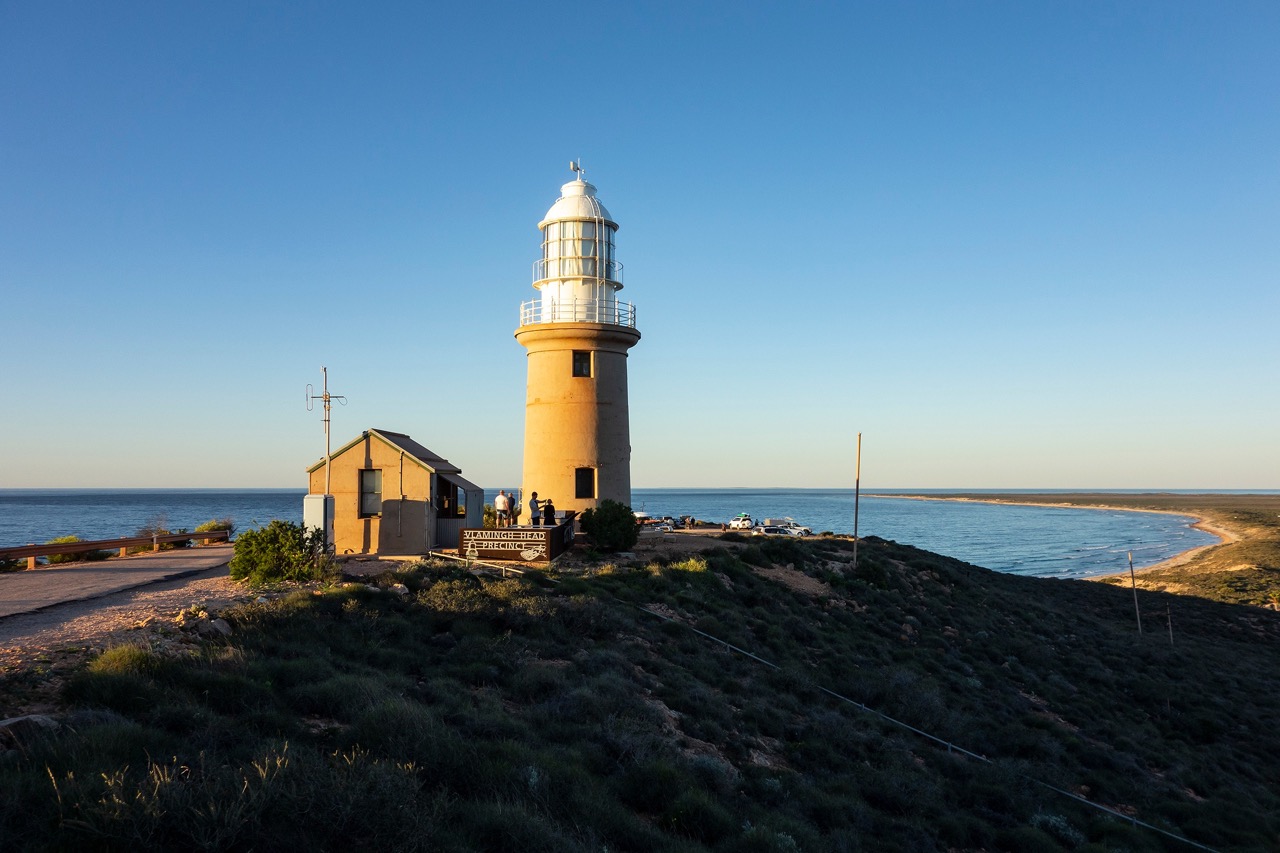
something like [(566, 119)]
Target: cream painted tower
[(577, 439)]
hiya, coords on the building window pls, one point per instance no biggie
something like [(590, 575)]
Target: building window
[(581, 363), (370, 492), (584, 480), (451, 501)]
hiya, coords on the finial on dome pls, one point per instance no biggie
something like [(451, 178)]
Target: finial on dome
[(576, 166)]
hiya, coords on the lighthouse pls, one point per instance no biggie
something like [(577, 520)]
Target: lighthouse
[(577, 438)]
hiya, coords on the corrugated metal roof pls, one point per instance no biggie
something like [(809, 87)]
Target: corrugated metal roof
[(465, 484), (400, 441)]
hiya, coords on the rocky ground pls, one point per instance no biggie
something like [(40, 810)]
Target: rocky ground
[(174, 615)]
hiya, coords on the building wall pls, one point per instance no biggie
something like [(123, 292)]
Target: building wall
[(406, 522), (576, 422)]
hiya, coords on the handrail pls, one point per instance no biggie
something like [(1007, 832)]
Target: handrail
[(608, 311), (612, 269), (123, 543)]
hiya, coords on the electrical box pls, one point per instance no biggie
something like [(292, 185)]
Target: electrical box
[(317, 511)]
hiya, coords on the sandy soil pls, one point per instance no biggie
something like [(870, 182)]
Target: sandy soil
[(79, 627)]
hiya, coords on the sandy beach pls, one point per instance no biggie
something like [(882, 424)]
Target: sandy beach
[(1224, 533), (1242, 568)]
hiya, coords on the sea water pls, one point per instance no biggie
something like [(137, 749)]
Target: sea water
[(1041, 541)]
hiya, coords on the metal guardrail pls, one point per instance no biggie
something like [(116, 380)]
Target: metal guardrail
[(609, 311), (123, 544), (570, 266)]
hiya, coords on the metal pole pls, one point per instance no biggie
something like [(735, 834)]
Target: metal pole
[(327, 454), (328, 399), (857, 486), (1134, 581)]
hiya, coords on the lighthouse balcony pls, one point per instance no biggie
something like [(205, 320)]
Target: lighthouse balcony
[(608, 311), (576, 267)]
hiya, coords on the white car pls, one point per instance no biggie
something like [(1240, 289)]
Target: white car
[(741, 521), (773, 531)]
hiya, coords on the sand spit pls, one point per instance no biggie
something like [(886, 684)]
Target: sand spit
[(1088, 501)]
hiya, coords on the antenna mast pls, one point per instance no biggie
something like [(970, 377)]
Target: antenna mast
[(312, 396)]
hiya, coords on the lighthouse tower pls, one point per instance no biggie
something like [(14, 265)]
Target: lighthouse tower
[(577, 441)]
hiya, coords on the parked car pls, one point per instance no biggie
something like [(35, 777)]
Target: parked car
[(741, 521), (773, 531), (791, 524)]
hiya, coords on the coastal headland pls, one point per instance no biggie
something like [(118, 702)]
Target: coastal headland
[(1244, 568)]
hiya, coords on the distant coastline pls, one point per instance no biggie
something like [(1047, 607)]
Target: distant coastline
[(1240, 568), (1201, 522)]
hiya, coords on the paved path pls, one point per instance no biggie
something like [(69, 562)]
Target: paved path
[(29, 591)]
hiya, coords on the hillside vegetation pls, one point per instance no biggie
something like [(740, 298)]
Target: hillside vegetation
[(605, 712)]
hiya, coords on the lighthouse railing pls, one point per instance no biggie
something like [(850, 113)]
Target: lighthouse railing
[(609, 311), (569, 266)]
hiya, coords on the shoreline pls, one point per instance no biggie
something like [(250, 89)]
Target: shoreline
[(1225, 534)]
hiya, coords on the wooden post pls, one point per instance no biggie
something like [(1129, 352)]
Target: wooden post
[(1134, 580)]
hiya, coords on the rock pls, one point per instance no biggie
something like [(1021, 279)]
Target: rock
[(15, 729), (262, 599), (41, 720), (400, 589), (222, 626)]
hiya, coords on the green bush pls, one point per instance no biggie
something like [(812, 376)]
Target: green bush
[(215, 524), (611, 526), (78, 555), (490, 516), (281, 551)]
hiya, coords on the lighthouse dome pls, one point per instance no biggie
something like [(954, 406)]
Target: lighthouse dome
[(577, 201)]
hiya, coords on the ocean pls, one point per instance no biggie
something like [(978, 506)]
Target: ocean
[(1039, 541)]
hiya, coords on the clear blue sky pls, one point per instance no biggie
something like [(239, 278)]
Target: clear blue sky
[(1014, 244)]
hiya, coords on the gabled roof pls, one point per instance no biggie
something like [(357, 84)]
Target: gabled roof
[(399, 441)]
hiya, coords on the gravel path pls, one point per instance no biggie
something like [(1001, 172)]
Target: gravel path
[(77, 627)]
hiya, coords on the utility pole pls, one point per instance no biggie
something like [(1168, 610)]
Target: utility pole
[(312, 396), (1134, 581), (857, 485), (325, 501)]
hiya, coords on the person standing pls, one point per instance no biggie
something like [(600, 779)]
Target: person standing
[(548, 513), (535, 509), (501, 506)]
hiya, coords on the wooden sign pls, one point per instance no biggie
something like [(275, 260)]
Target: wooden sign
[(523, 544)]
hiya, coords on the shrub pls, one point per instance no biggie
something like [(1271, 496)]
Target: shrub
[(281, 551), (611, 526), (10, 565), (157, 526), (490, 516), (78, 555), (215, 524)]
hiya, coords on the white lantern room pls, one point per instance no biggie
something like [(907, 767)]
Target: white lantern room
[(577, 277)]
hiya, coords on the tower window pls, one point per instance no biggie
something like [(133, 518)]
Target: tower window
[(582, 364), (370, 492), (584, 481)]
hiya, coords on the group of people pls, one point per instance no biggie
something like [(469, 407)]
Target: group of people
[(508, 510)]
